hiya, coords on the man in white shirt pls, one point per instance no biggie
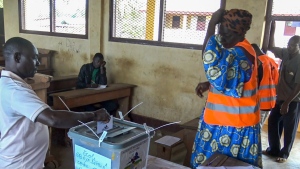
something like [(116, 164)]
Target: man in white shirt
[(24, 117)]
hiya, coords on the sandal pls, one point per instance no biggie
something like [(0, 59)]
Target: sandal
[(52, 164), (281, 160), (264, 152), (268, 153)]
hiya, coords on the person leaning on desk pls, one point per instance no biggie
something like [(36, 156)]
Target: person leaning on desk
[(24, 117), (92, 75)]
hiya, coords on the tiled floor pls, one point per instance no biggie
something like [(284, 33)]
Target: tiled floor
[(65, 157)]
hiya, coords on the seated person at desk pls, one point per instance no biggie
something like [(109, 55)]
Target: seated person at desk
[(92, 75), (24, 117)]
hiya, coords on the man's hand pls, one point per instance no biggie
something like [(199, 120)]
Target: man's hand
[(101, 115), (284, 108), (93, 85), (217, 16), (103, 64), (201, 88)]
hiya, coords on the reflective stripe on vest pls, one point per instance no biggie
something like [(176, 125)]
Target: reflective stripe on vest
[(244, 111), (267, 87), (233, 109), (268, 99), (246, 93)]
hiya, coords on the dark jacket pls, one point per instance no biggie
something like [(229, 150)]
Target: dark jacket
[(85, 76)]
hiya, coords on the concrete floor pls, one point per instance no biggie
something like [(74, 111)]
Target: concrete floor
[(65, 154)]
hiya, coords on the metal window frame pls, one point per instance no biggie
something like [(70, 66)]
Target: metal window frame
[(159, 42), (52, 22), (269, 19)]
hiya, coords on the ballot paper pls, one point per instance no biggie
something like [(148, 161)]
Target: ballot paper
[(99, 87), (101, 126)]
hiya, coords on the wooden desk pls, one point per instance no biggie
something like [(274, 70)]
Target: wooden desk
[(82, 97), (62, 83), (158, 163), (218, 159)]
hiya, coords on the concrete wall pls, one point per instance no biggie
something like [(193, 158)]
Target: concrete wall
[(258, 10), (166, 77)]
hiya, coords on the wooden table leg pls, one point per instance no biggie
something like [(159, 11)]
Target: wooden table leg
[(188, 139), (124, 106)]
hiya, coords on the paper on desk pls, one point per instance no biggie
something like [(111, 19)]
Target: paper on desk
[(168, 140), (105, 126), (99, 87), (224, 167)]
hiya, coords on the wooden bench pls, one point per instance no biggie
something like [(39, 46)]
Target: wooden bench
[(187, 137), (165, 146), (62, 83)]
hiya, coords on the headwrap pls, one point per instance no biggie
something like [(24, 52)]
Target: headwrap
[(237, 20)]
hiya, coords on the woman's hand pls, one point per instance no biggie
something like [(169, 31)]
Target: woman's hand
[(201, 88), (217, 16)]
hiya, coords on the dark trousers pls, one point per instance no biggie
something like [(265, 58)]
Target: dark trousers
[(277, 123)]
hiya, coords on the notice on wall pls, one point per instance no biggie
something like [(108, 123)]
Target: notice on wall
[(86, 159)]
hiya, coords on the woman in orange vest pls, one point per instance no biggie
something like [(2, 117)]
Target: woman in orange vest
[(229, 123)]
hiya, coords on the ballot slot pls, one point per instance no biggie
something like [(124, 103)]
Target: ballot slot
[(115, 131), (121, 132)]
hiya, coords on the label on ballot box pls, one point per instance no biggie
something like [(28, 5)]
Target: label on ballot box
[(135, 156), (85, 158)]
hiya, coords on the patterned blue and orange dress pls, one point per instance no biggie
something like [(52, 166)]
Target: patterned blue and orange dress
[(241, 143)]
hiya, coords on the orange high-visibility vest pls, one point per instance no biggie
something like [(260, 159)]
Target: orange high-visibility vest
[(267, 87), (225, 110)]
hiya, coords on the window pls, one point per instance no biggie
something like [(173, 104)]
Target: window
[(174, 23), (201, 23), (286, 14), (1, 3), (67, 18)]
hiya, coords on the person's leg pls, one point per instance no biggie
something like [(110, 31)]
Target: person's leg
[(274, 130), (263, 117), (290, 124), (90, 107)]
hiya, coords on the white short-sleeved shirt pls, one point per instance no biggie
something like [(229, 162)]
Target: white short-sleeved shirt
[(23, 142)]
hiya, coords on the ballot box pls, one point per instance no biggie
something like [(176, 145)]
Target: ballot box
[(125, 146)]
